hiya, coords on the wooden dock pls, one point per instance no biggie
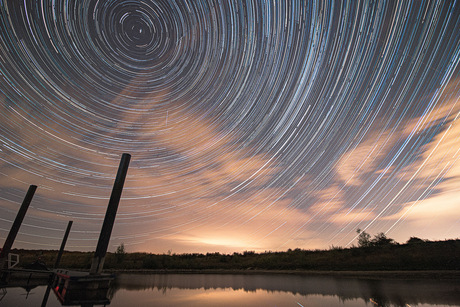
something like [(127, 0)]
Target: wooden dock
[(80, 288), (70, 287)]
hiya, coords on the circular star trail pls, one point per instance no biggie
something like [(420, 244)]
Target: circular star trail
[(252, 125)]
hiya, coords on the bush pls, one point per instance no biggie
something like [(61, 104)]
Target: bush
[(364, 239)]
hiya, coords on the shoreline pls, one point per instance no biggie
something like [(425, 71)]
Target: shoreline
[(429, 274)]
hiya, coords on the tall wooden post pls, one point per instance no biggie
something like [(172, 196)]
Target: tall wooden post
[(15, 227), (56, 264), (106, 231), (64, 241)]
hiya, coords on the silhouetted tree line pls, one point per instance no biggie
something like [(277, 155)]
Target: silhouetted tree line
[(378, 253), (380, 239)]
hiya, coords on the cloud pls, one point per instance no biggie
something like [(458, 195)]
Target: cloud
[(437, 172), (420, 186), (207, 184), (187, 176), (191, 183), (332, 207), (357, 163)]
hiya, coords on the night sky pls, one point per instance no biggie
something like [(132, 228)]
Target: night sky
[(252, 125)]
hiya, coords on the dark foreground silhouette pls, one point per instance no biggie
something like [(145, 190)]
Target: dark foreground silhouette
[(387, 255)]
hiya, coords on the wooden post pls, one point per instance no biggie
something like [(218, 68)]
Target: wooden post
[(64, 241), (15, 227), (106, 231)]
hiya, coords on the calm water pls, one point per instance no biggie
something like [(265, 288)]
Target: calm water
[(259, 290)]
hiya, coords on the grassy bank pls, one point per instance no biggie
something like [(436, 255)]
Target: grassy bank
[(418, 256), (406, 275)]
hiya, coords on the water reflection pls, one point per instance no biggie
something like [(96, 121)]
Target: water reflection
[(260, 290), (373, 291)]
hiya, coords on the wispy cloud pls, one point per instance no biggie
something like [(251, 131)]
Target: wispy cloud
[(437, 173), (193, 186)]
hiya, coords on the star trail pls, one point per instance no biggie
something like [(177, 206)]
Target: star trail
[(252, 125)]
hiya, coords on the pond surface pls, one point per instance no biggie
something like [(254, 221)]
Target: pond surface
[(259, 290)]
